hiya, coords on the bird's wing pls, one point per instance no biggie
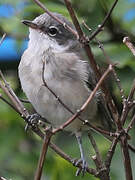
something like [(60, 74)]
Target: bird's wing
[(103, 111)]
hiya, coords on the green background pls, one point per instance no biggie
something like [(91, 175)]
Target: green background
[(19, 151)]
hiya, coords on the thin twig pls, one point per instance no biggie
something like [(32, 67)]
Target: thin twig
[(18, 105), (52, 92), (118, 121), (75, 21), (130, 125), (123, 139), (99, 163), (100, 27), (97, 86), (126, 158), (128, 43), (108, 60), (83, 39), (127, 106), (44, 149), (9, 96), (110, 101), (110, 152)]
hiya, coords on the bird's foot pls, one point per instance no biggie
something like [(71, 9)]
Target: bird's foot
[(83, 168), (32, 121)]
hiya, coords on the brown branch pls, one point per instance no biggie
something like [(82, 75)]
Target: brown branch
[(10, 93), (9, 96), (18, 107), (123, 140), (74, 19), (44, 149), (52, 92), (130, 125), (103, 172), (98, 85), (118, 121), (83, 39), (110, 153), (126, 158), (127, 105), (99, 163), (63, 154), (124, 113), (128, 43), (108, 60), (100, 27)]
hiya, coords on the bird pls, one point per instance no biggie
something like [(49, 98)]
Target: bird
[(67, 73)]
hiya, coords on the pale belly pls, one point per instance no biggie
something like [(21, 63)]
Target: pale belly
[(48, 106)]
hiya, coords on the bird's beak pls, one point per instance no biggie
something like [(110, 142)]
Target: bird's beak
[(30, 24)]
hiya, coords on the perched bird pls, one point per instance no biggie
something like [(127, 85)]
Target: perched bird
[(66, 73)]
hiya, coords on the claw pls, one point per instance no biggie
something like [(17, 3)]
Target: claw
[(32, 120), (83, 168)]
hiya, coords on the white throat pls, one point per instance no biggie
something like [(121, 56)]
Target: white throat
[(38, 41)]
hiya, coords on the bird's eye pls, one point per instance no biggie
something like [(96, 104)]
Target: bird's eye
[(52, 31)]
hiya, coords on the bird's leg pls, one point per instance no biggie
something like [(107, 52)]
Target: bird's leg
[(82, 160)]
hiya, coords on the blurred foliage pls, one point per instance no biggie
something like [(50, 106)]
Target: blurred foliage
[(19, 150)]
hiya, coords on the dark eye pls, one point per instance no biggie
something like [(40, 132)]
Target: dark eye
[(52, 31)]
